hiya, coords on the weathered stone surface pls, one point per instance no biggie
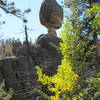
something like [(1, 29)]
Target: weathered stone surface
[(48, 41), (51, 14), (19, 72), (15, 46)]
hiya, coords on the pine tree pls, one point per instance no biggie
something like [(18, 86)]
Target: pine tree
[(11, 9), (83, 31)]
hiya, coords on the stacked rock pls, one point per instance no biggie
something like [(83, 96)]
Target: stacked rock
[(51, 16)]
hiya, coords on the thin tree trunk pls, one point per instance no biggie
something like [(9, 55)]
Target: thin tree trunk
[(28, 58), (96, 43)]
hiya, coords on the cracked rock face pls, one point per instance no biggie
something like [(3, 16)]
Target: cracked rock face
[(48, 41), (21, 76), (51, 14)]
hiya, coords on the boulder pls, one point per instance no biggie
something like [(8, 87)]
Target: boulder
[(15, 46), (48, 41), (18, 75), (51, 14)]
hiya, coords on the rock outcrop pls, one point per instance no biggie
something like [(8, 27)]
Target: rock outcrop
[(19, 72)]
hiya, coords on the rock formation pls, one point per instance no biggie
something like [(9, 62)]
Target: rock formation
[(19, 71), (51, 15), (20, 74)]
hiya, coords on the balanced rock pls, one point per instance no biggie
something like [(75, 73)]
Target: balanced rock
[(51, 14)]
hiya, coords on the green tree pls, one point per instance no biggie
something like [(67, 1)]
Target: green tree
[(79, 48), (80, 16)]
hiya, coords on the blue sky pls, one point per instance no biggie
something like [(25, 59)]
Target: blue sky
[(14, 27)]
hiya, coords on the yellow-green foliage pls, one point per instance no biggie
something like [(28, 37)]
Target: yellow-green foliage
[(63, 84), (94, 12), (79, 97), (3, 94), (64, 81)]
